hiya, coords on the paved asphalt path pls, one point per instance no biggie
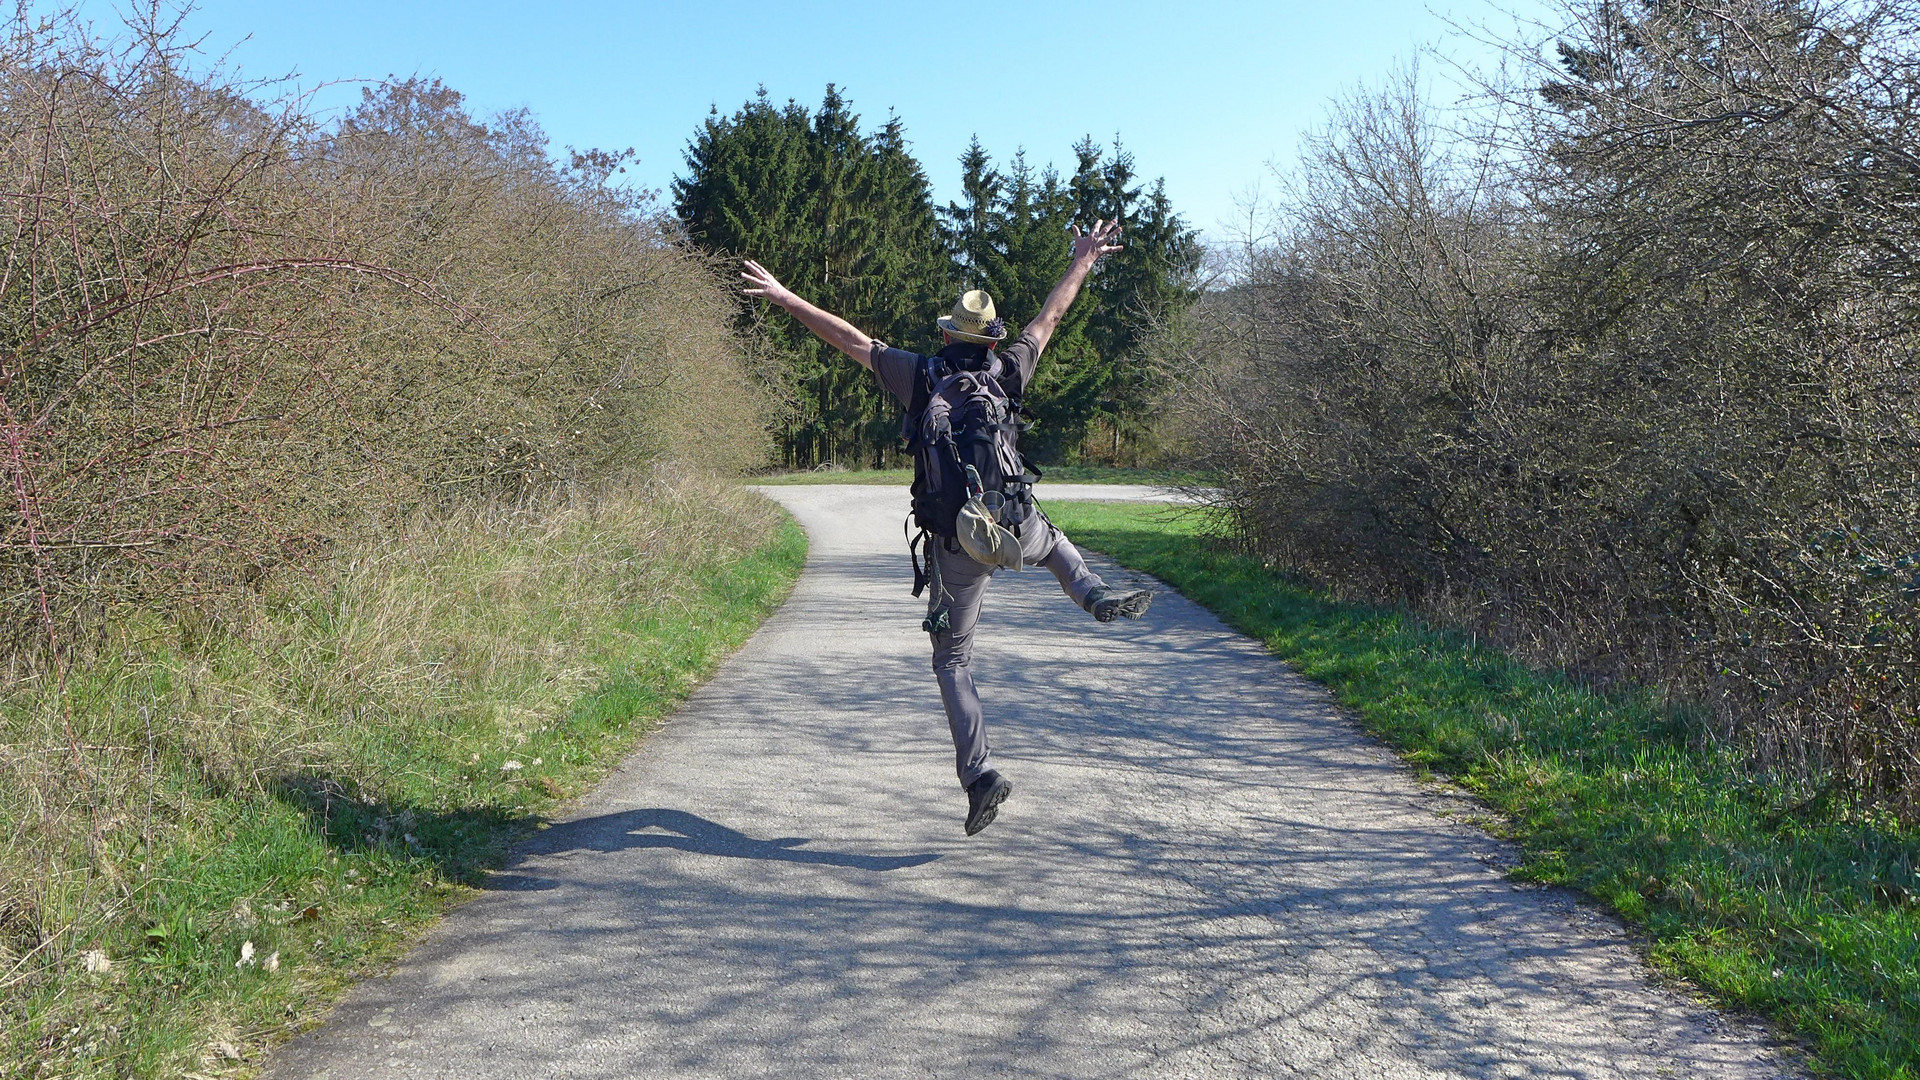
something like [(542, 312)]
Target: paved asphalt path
[(1204, 871)]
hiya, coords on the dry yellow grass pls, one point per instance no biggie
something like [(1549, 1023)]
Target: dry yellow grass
[(339, 750)]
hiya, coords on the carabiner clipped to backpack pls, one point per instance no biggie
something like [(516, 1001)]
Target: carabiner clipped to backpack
[(939, 622), (975, 486)]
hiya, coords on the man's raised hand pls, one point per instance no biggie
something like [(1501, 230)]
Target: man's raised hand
[(1087, 248), (761, 282), (827, 326), (1097, 241)]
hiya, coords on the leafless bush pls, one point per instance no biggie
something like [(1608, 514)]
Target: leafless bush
[(1625, 375), (229, 337)]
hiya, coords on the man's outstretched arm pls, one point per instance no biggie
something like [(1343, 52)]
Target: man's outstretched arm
[(829, 327), (1087, 249)]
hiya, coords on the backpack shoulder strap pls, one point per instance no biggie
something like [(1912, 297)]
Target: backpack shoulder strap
[(917, 406), (923, 385)]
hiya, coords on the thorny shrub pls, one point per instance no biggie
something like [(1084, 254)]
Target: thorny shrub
[(1624, 373), (231, 336), (312, 436)]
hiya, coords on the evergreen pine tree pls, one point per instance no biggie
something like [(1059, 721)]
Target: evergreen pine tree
[(968, 226), (848, 221), (1008, 236)]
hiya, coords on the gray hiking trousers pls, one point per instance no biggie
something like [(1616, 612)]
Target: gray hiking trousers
[(957, 581)]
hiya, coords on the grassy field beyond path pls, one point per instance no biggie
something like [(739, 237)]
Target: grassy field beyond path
[(210, 833), (1766, 897)]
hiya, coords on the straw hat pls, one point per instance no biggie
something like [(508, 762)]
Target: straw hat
[(973, 319)]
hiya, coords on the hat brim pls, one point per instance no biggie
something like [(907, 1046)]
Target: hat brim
[(945, 322), (985, 540)]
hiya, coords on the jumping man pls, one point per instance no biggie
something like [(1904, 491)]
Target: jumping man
[(972, 490)]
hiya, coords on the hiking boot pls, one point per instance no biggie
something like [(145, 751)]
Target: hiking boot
[(1108, 604), (984, 797)]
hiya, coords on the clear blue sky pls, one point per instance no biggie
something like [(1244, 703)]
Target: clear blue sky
[(1205, 93)]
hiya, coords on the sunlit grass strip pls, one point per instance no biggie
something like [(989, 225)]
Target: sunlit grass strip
[(1757, 893), (1058, 474), (325, 782)]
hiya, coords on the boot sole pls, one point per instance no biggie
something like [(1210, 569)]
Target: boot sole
[(1131, 607), (992, 809)]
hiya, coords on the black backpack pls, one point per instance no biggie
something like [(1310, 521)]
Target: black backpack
[(960, 420)]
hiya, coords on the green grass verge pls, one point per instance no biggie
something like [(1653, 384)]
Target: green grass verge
[(1059, 474), (443, 699), (1764, 897)]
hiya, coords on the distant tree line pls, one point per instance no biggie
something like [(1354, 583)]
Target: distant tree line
[(1622, 372), (849, 221)]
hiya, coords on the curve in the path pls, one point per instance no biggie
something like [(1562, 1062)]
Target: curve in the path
[(1204, 871)]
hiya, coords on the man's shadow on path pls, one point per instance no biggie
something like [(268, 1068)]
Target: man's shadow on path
[(662, 828)]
